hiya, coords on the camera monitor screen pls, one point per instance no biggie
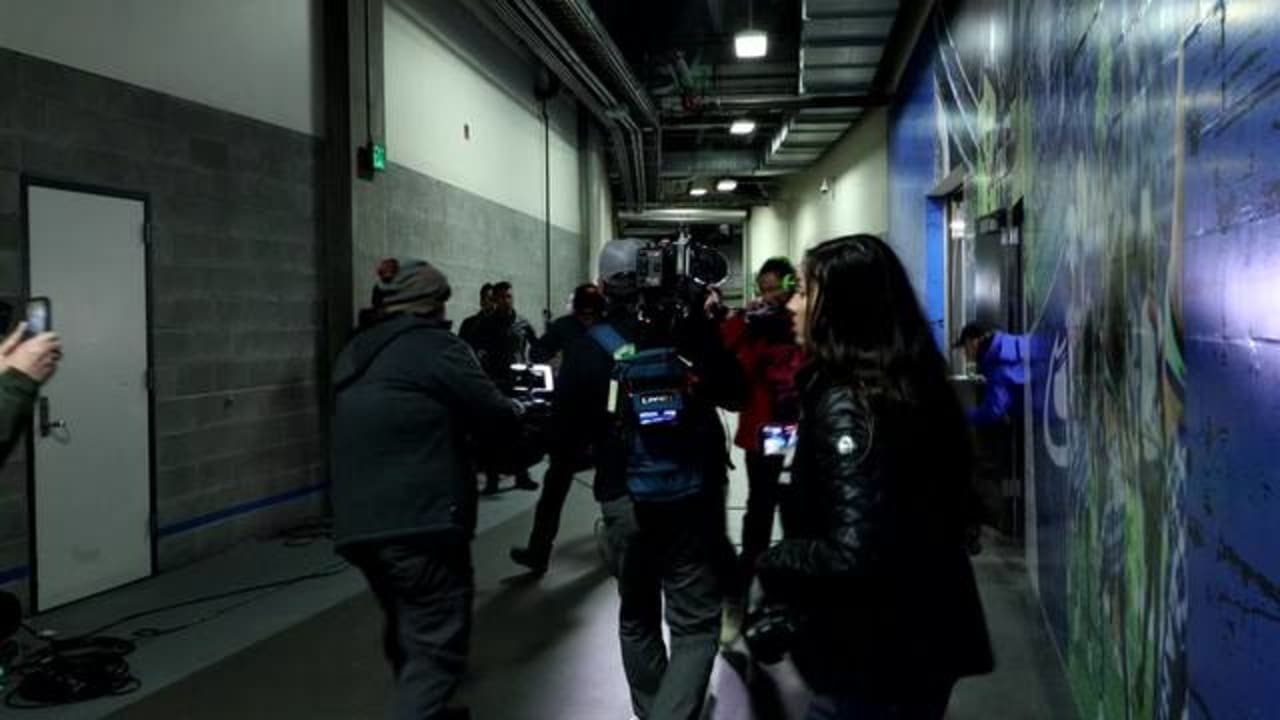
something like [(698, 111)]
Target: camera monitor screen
[(537, 379), (778, 440)]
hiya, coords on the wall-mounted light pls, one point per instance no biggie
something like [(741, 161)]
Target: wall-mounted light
[(825, 187), (751, 44), (957, 226), (742, 127), (727, 185)]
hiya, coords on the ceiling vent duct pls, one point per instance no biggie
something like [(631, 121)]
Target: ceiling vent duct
[(841, 46)]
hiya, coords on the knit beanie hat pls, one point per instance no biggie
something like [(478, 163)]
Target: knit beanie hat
[(411, 285)]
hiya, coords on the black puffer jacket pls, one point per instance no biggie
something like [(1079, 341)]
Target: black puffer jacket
[(876, 570)]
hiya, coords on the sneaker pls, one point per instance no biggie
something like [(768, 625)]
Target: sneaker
[(536, 563)]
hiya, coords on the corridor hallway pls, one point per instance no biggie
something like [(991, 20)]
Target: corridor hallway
[(547, 649)]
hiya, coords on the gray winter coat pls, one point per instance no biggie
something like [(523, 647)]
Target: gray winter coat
[(410, 398)]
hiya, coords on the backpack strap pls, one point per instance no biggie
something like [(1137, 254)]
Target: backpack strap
[(608, 338)]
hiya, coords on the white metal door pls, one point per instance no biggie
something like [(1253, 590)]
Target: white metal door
[(92, 470)]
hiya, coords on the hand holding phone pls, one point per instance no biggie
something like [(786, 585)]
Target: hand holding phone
[(36, 356)]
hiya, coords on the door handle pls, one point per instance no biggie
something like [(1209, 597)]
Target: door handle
[(47, 426)]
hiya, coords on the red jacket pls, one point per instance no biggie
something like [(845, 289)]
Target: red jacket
[(770, 369)]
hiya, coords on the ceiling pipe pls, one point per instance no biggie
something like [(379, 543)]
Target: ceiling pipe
[(598, 44), (681, 216), (536, 31), (547, 31), (744, 103), (592, 39), (621, 116)]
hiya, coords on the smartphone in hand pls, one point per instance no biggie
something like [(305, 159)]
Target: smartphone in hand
[(39, 316)]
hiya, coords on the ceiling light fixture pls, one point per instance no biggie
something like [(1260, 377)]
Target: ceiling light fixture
[(751, 44), (697, 191), (727, 185), (742, 127)]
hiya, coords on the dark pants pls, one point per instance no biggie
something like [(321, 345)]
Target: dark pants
[(999, 470), (763, 474), (728, 567), (925, 702), (672, 557), (546, 518), (425, 590)]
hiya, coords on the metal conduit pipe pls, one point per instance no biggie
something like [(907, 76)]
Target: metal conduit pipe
[(579, 16), (681, 216), (589, 37), (794, 102), (544, 32), (587, 89)]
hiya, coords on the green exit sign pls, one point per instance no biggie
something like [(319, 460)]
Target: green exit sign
[(372, 159)]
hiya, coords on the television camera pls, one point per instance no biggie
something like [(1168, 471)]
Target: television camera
[(532, 386)]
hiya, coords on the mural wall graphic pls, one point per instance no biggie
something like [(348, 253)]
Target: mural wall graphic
[(1143, 139)]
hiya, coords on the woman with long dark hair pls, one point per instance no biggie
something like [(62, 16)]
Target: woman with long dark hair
[(874, 577)]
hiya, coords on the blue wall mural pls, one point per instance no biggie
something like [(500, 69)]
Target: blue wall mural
[(1233, 359), (916, 165), (1143, 140)]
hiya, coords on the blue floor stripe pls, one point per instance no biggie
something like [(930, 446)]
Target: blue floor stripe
[(23, 572), (236, 510), (14, 575)]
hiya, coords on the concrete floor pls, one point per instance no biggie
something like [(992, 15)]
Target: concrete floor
[(542, 648), (546, 649)]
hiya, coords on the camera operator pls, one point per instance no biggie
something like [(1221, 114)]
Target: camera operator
[(661, 537), (588, 309), (25, 364), (762, 338), (409, 394)]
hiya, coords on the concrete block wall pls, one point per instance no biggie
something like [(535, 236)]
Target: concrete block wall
[(473, 239), (235, 295)]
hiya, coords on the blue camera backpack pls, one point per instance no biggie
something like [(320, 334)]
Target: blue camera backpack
[(649, 399)]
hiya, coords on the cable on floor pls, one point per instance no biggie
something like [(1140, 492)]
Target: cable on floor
[(74, 671), (328, 571), (92, 666)]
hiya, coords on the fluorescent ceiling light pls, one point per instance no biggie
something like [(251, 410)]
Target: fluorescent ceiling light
[(697, 191), (751, 44), (742, 127), (727, 185)]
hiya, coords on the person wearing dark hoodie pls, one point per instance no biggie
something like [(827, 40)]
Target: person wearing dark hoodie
[(410, 398)]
